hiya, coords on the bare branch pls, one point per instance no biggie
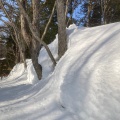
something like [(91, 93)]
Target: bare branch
[(66, 9), (52, 13), (17, 36), (35, 34)]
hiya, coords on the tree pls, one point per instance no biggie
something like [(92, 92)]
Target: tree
[(45, 13), (33, 36), (110, 9), (97, 12), (62, 37), (36, 46), (11, 24)]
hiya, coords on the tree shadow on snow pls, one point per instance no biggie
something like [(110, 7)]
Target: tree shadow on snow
[(76, 87)]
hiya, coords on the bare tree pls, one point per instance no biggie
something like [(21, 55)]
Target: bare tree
[(36, 46), (105, 8), (24, 26), (36, 40), (30, 33), (62, 37), (17, 35)]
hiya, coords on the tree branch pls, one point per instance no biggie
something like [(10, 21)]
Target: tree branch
[(35, 34), (17, 36)]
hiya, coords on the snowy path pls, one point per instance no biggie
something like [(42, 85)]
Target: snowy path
[(89, 82)]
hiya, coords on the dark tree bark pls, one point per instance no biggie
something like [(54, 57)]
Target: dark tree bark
[(62, 37)]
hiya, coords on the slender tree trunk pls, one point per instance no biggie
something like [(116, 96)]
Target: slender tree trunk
[(16, 33), (34, 57), (36, 46), (103, 10), (66, 8), (88, 13), (24, 30), (24, 26), (62, 37)]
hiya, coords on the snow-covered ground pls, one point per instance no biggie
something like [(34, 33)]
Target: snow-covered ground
[(85, 84)]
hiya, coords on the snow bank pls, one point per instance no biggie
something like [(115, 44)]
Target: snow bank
[(90, 73), (83, 86), (17, 71)]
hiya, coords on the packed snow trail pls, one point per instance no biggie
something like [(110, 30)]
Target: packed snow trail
[(90, 78), (84, 85)]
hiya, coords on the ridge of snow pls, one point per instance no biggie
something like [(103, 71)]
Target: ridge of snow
[(83, 86)]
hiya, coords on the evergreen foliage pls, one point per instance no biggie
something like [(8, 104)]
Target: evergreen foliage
[(112, 12)]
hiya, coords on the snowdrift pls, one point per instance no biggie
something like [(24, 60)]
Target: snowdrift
[(83, 86)]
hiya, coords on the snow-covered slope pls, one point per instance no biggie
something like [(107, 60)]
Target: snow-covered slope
[(83, 86)]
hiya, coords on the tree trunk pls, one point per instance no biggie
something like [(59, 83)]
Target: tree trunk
[(62, 37), (88, 13), (16, 33), (102, 12), (35, 34), (24, 26), (34, 57), (104, 4), (36, 46)]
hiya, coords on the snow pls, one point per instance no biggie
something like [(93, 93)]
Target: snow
[(2, 58), (83, 86)]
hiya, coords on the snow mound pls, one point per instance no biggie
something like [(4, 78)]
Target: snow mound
[(89, 73), (83, 86)]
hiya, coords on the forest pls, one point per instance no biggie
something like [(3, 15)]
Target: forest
[(28, 25), (59, 59)]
